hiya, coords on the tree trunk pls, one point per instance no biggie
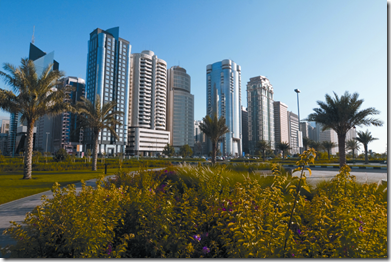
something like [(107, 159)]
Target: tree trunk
[(341, 149), (366, 153), (214, 151), (263, 155), (28, 151), (95, 153), (328, 153)]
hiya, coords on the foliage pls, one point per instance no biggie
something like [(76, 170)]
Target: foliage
[(328, 145), (185, 151), (352, 144), (284, 147), (36, 156), (168, 150), (263, 146), (365, 138), (214, 128), (306, 142), (316, 145), (212, 212), (33, 97), (341, 114), (61, 155), (95, 117)]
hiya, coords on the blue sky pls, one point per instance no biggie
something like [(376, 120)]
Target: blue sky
[(319, 47)]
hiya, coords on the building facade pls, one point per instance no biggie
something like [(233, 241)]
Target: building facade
[(245, 131), (223, 96), (260, 112), (66, 129), (293, 130), (147, 113), (180, 108), (281, 131), (108, 70), (200, 146)]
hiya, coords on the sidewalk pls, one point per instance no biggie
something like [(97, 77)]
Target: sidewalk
[(16, 210)]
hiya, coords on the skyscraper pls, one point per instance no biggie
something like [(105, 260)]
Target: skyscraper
[(245, 130), (281, 123), (223, 96), (293, 127), (260, 112), (108, 70), (180, 108), (147, 113), (66, 129)]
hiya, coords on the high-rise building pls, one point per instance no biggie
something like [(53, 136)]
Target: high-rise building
[(223, 96), (4, 133), (293, 129), (260, 112), (180, 108), (147, 113), (5, 126), (66, 129), (108, 70), (327, 135), (245, 130), (200, 146), (281, 131)]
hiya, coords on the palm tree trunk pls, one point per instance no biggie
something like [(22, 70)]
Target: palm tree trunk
[(366, 153), (95, 153), (28, 151), (214, 151), (341, 149)]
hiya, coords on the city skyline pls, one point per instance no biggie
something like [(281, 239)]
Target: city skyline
[(340, 48)]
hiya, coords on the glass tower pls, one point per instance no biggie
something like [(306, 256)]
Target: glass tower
[(108, 68), (223, 96)]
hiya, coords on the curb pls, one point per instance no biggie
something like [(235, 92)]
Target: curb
[(353, 167)]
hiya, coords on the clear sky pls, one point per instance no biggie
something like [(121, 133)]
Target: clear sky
[(319, 47)]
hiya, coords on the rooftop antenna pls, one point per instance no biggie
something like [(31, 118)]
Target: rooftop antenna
[(32, 39)]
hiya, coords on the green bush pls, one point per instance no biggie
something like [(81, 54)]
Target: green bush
[(61, 155), (209, 212)]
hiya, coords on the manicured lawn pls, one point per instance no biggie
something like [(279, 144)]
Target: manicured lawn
[(13, 187)]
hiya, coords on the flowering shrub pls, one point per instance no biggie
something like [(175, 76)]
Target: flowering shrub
[(208, 212)]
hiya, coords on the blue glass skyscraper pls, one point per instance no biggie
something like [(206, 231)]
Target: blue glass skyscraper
[(223, 95)]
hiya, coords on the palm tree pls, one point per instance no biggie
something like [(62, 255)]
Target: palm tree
[(328, 145), (283, 146), (341, 114), (365, 138), (352, 144), (263, 146), (317, 146), (95, 117), (214, 128), (34, 97)]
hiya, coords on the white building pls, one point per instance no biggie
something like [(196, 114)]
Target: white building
[(281, 122), (147, 113)]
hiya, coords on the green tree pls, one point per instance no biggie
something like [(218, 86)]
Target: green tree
[(214, 128), (96, 117), (352, 144), (365, 138), (263, 146), (185, 151), (168, 150), (61, 155), (36, 156), (317, 146), (328, 145), (341, 114), (34, 97), (284, 147)]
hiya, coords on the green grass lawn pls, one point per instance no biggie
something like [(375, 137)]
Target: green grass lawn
[(13, 186)]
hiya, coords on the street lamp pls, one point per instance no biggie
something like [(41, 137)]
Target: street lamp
[(298, 115), (47, 134)]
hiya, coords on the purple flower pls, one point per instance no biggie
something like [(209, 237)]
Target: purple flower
[(197, 237), (150, 190), (360, 228), (293, 255), (34, 224), (361, 222), (354, 219), (165, 171), (299, 231), (229, 210), (205, 250), (224, 209), (109, 249)]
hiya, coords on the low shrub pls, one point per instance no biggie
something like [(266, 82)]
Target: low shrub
[(193, 212)]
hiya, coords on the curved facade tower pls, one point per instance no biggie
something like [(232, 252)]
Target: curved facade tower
[(180, 108), (147, 115), (223, 93)]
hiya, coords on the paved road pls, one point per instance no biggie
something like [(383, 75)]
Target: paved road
[(16, 210)]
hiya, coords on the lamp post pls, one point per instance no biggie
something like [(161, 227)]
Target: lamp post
[(298, 115), (47, 135)]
